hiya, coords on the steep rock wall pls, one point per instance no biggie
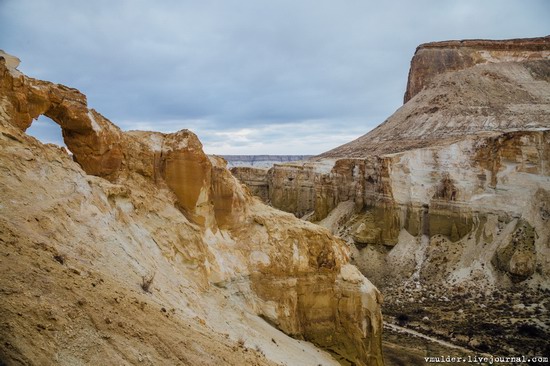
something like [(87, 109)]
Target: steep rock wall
[(432, 59), (439, 191), (434, 226), (294, 189), (256, 180)]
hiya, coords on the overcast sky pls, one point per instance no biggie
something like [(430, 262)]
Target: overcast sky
[(247, 76)]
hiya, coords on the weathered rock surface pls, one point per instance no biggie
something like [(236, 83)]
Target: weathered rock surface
[(432, 59), (93, 139), (144, 249), (453, 190), (256, 180), (431, 191)]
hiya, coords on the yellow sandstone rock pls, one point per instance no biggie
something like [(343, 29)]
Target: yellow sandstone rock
[(145, 247)]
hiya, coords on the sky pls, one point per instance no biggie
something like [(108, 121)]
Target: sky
[(247, 76)]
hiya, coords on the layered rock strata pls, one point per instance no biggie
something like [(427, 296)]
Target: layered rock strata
[(256, 180), (147, 218), (450, 194), (431, 191), (432, 59)]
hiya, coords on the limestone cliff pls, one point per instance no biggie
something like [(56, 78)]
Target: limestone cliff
[(142, 249), (450, 195), (256, 180), (432, 59)]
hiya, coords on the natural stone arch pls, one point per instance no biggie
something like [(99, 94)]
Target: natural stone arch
[(94, 140)]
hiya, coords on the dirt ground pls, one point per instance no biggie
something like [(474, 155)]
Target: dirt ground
[(51, 313)]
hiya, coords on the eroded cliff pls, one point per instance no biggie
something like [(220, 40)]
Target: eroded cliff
[(256, 180), (140, 248), (445, 204), (432, 59)]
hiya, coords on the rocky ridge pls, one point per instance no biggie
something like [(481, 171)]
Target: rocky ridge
[(445, 204), (260, 161), (142, 249)]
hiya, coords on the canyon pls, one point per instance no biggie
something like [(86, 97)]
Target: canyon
[(140, 249), (445, 205)]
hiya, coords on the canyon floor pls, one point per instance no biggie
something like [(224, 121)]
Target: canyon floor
[(497, 324)]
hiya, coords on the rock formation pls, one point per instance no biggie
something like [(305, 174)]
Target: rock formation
[(450, 192), (256, 180), (142, 249), (432, 59), (503, 92), (253, 169)]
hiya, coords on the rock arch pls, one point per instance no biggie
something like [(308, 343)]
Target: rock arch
[(93, 139)]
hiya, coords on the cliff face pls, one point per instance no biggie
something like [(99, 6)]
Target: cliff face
[(432, 59), (430, 191), (256, 180), (450, 195), (144, 249)]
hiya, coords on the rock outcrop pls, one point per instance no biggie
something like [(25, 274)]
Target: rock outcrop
[(432, 59), (140, 248), (256, 180), (94, 140), (450, 192)]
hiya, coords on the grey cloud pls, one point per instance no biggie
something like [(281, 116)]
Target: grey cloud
[(229, 65)]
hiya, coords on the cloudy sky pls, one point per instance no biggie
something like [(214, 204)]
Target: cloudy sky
[(248, 76)]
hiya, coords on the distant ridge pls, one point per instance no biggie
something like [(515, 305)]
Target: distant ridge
[(261, 161)]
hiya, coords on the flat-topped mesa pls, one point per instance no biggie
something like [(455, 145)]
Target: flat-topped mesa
[(460, 89), (431, 59)]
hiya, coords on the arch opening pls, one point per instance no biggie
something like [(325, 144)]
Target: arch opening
[(46, 131)]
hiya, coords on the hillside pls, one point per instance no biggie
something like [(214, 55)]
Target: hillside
[(140, 249)]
